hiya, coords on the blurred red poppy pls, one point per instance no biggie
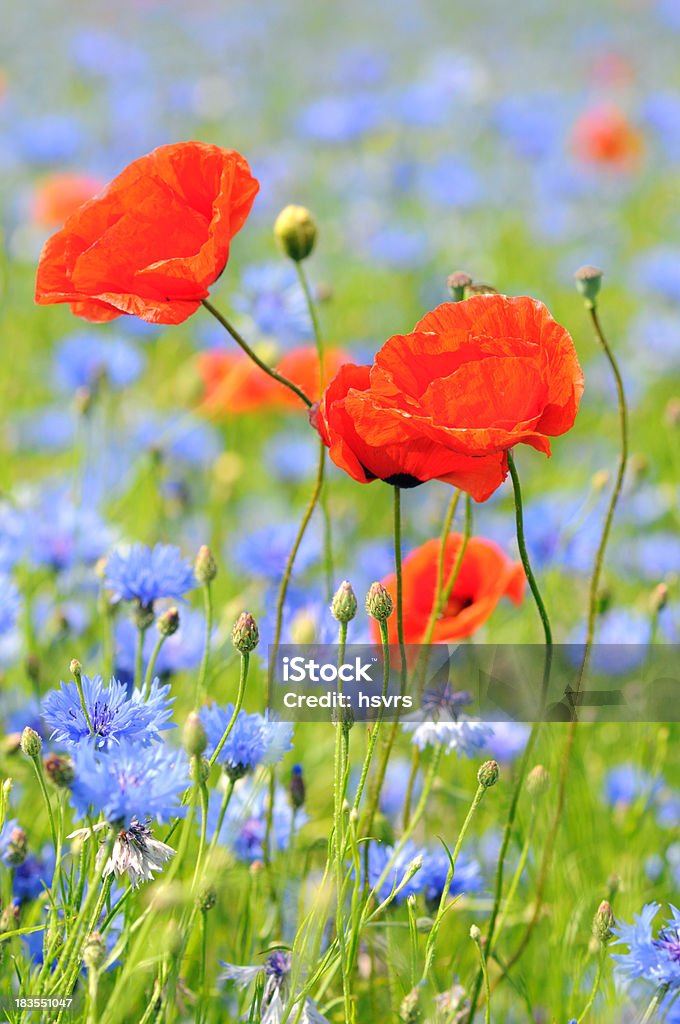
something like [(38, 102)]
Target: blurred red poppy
[(233, 384), (605, 136), (154, 240), (486, 575), (448, 400), (59, 195)]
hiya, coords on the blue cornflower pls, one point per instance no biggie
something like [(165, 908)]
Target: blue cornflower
[(621, 642), (656, 960), (467, 875), (83, 359), (113, 715), (508, 740), (291, 457), (657, 271), (10, 604), (253, 740), (395, 785), (128, 782), (627, 783), (184, 440), (34, 876), (340, 118), (271, 295), (49, 429), (144, 574)]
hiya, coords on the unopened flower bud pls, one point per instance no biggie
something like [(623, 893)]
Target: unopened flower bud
[(344, 603), (142, 615), (194, 736), (487, 775), (379, 604), (409, 1010), (296, 787), (475, 933), (458, 283), (658, 598), (205, 566), (168, 622), (538, 781), (9, 919), (303, 628), (199, 770), (76, 669), (295, 231), (245, 635), (31, 744), (206, 900), (59, 770), (588, 280), (602, 922), (94, 952), (17, 847)]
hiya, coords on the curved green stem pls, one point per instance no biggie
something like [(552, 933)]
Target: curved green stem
[(242, 343), (243, 678), (205, 659)]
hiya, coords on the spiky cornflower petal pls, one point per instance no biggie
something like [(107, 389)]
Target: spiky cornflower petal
[(113, 715), (145, 575)]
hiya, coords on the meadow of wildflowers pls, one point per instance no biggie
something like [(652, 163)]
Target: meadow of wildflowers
[(390, 357)]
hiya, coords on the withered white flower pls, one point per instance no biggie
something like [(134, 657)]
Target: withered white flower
[(135, 852)]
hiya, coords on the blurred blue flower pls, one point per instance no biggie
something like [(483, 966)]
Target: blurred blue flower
[(508, 740), (10, 604), (291, 458), (628, 783), (340, 118), (60, 533), (112, 715), (34, 876), (51, 429), (264, 552), (621, 641), (271, 295), (143, 574), (657, 271), (467, 875), (652, 556), (379, 857), (661, 111), (245, 823), (393, 791), (50, 139), (83, 359), (180, 652), (397, 246), (182, 439), (534, 124), (306, 619), (451, 182), (128, 782)]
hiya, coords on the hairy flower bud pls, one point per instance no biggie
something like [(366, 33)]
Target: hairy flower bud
[(31, 744), (379, 604), (487, 775), (475, 933), (295, 231), (344, 603), (168, 622), (205, 566), (194, 736), (538, 781), (588, 280), (458, 283), (206, 900), (602, 922), (245, 635), (17, 847), (296, 787), (94, 952), (59, 770)]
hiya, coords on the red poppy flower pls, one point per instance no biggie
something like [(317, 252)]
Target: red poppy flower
[(447, 401), (60, 195), (605, 136), (486, 575), (233, 384), (154, 240)]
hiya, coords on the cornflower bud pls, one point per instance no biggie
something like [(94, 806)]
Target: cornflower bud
[(379, 604), (538, 781), (31, 743), (344, 603), (94, 952), (245, 635), (487, 775), (296, 787), (602, 922), (168, 622), (205, 566), (194, 737), (59, 770)]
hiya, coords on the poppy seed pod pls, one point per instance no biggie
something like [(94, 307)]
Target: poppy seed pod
[(295, 231), (458, 283), (588, 280)]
